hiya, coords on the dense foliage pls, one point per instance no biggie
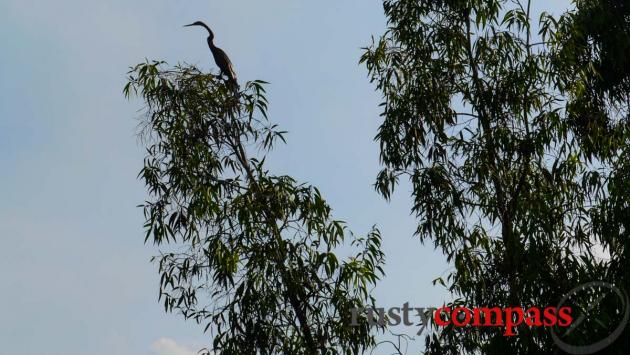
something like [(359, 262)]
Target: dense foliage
[(513, 132), (249, 254)]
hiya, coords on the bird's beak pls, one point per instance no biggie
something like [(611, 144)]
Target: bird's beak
[(192, 24)]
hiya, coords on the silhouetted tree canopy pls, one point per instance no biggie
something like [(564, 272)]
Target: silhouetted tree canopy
[(512, 129), (248, 254)]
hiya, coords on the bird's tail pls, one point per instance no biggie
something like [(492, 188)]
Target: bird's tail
[(233, 85), (236, 90)]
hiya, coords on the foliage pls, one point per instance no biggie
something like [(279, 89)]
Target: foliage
[(249, 254), (593, 60), (491, 116)]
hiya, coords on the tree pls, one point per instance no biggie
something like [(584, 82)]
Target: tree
[(249, 254), (503, 127), (593, 57)]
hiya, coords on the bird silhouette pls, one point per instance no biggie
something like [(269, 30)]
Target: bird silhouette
[(220, 57)]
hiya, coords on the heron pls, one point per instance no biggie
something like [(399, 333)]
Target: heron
[(220, 57)]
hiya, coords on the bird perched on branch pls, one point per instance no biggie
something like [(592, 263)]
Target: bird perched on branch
[(220, 57)]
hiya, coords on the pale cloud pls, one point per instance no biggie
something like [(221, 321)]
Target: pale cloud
[(166, 346)]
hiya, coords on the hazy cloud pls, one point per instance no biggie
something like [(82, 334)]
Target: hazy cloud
[(166, 346)]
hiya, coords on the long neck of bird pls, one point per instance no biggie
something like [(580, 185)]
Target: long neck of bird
[(211, 35)]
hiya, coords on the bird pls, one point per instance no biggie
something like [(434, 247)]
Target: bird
[(220, 57)]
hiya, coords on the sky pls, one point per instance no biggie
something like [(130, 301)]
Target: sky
[(75, 276)]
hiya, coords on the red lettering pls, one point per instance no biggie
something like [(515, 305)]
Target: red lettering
[(438, 320), (510, 323), (550, 317), (564, 313), (467, 316), (487, 314), (493, 317), (533, 317)]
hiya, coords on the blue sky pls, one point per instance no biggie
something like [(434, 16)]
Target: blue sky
[(74, 272)]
